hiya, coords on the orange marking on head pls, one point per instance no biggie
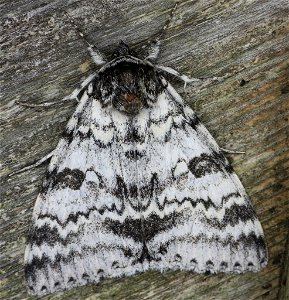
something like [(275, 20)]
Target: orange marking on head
[(130, 97)]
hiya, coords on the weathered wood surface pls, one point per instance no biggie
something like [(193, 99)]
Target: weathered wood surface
[(284, 281), (43, 59)]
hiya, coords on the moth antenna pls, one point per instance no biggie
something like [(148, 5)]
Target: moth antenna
[(154, 47), (168, 22), (97, 57)]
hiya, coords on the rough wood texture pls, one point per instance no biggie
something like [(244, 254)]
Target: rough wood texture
[(43, 59), (284, 289)]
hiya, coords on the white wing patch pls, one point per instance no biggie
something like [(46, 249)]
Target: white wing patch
[(126, 194)]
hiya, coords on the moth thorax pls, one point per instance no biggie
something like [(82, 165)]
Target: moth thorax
[(129, 96), (130, 86)]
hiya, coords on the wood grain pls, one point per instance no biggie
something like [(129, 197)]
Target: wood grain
[(43, 59)]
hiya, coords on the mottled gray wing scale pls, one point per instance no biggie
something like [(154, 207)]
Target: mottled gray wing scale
[(127, 194)]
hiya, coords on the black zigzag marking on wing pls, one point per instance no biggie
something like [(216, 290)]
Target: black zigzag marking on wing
[(233, 215), (250, 240), (50, 236), (67, 178), (192, 121), (134, 154), (194, 202), (247, 241), (208, 203), (41, 263), (74, 217), (69, 136), (133, 135), (183, 125), (143, 229), (138, 229)]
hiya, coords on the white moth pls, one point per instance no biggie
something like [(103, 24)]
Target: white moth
[(137, 183)]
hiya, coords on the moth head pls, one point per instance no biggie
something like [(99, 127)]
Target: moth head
[(128, 83), (123, 50)]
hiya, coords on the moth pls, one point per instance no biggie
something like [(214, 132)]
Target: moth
[(137, 183)]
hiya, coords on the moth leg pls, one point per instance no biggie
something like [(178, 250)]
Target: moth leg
[(232, 151), (45, 104), (36, 164), (186, 79), (174, 72), (78, 92)]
